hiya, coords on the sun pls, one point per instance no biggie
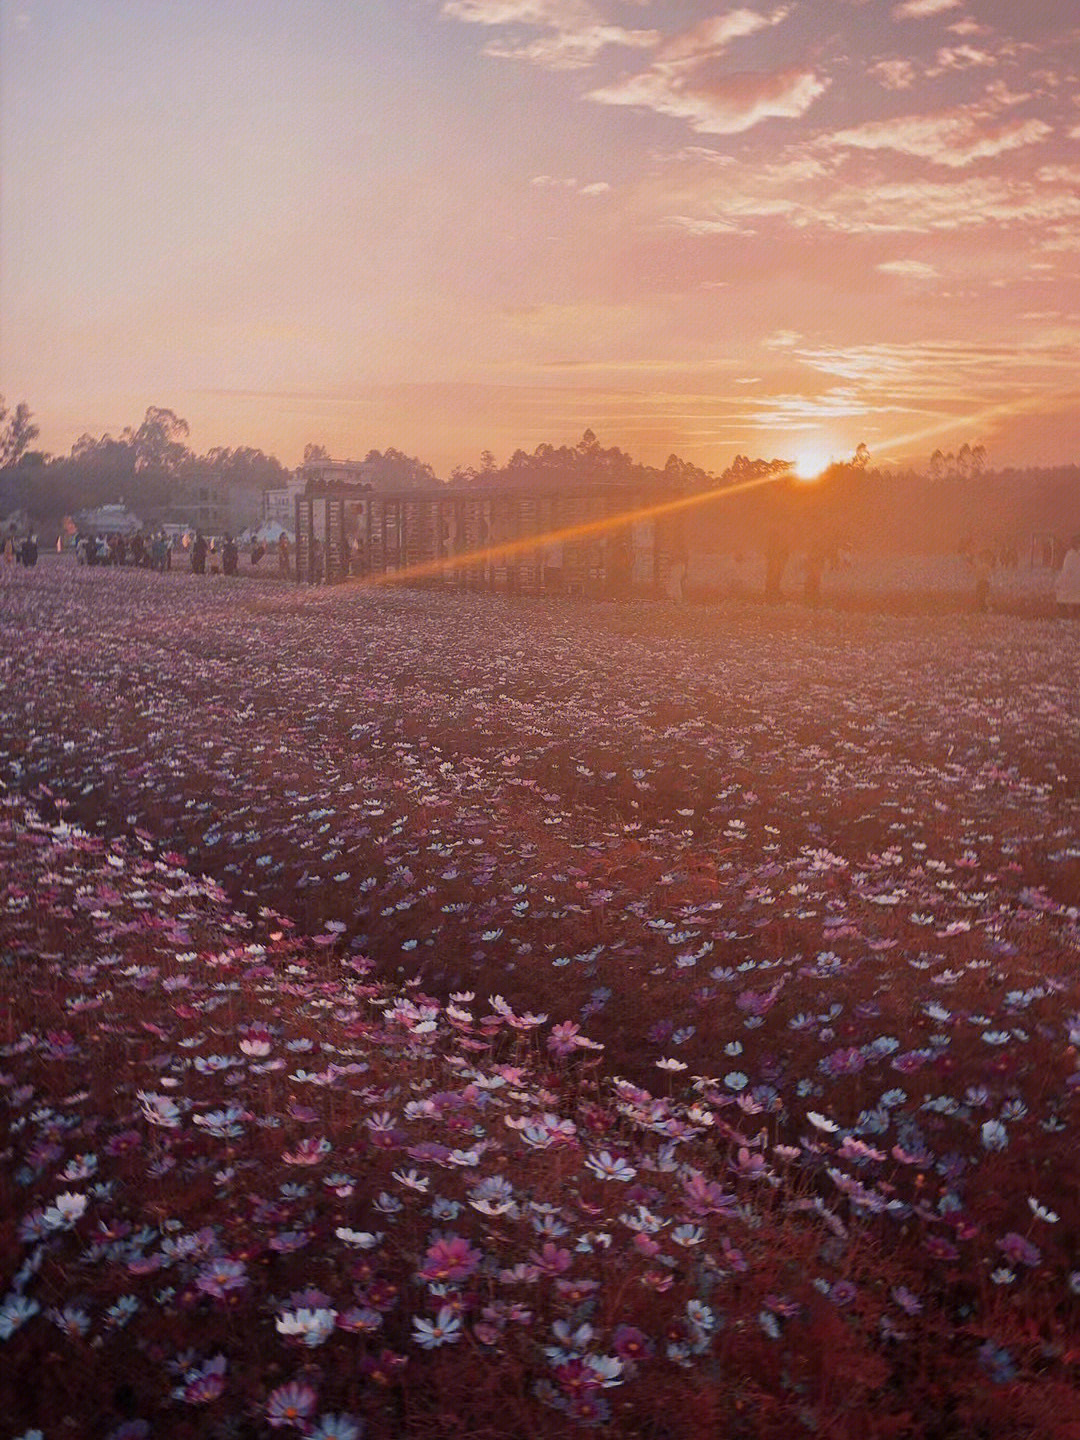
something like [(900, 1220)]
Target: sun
[(812, 462)]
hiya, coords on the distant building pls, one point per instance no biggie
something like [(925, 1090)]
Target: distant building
[(279, 504), (334, 472), (108, 520), (212, 505)]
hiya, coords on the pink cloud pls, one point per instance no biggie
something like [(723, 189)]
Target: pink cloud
[(894, 74), (727, 106), (955, 138), (713, 36), (920, 9), (571, 49)]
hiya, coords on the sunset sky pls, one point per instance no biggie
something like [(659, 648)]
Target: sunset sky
[(450, 225)]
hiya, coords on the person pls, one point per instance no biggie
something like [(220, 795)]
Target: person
[(159, 552), (1067, 584), (677, 577), (258, 550), (198, 554), (230, 556), (982, 565), (815, 564), (9, 545), (775, 560), (29, 554), (283, 554)]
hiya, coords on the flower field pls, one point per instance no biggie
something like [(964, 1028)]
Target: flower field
[(439, 1015)]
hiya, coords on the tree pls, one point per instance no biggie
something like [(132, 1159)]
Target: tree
[(315, 452), (159, 441), (17, 433)]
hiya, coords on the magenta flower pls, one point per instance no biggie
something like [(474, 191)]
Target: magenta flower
[(630, 1343), (1018, 1250), (451, 1258), (290, 1404)]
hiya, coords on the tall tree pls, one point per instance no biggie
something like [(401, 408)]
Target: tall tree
[(17, 433)]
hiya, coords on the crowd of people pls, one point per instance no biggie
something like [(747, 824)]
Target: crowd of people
[(20, 552), (142, 551)]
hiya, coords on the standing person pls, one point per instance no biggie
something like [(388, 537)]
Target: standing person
[(815, 564), (198, 554), (230, 556), (9, 545), (30, 552), (776, 556), (283, 555), (982, 565), (1067, 584), (676, 579)]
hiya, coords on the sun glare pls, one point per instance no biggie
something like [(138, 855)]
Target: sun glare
[(811, 463)]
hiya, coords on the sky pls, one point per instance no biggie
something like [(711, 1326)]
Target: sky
[(777, 229)]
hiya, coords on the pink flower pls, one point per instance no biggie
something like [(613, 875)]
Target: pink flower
[(551, 1260), (1018, 1250), (630, 1343), (451, 1258), (290, 1404), (308, 1152)]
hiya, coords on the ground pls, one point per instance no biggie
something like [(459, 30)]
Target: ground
[(826, 861)]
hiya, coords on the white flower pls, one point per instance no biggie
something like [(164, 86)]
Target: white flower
[(312, 1326), (606, 1166), (1041, 1213), (65, 1210), (445, 1329), (361, 1239), (821, 1123)]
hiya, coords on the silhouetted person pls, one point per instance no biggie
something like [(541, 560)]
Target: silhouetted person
[(30, 552), (283, 554), (1067, 584), (776, 555), (230, 556), (198, 555), (815, 564), (982, 565)]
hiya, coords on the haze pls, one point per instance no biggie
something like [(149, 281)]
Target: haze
[(450, 225)]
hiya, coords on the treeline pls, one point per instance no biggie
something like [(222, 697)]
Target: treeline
[(954, 498), (149, 467)]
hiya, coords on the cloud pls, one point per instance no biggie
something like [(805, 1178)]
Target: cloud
[(552, 182), (714, 35), (558, 14), (955, 138), (571, 49), (727, 106), (961, 57), (894, 74), (909, 269), (920, 9), (577, 33)]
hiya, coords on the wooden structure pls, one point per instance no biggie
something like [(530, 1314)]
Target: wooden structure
[(579, 540), (322, 551)]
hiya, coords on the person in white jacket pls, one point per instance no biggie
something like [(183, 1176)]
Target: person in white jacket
[(1067, 585)]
